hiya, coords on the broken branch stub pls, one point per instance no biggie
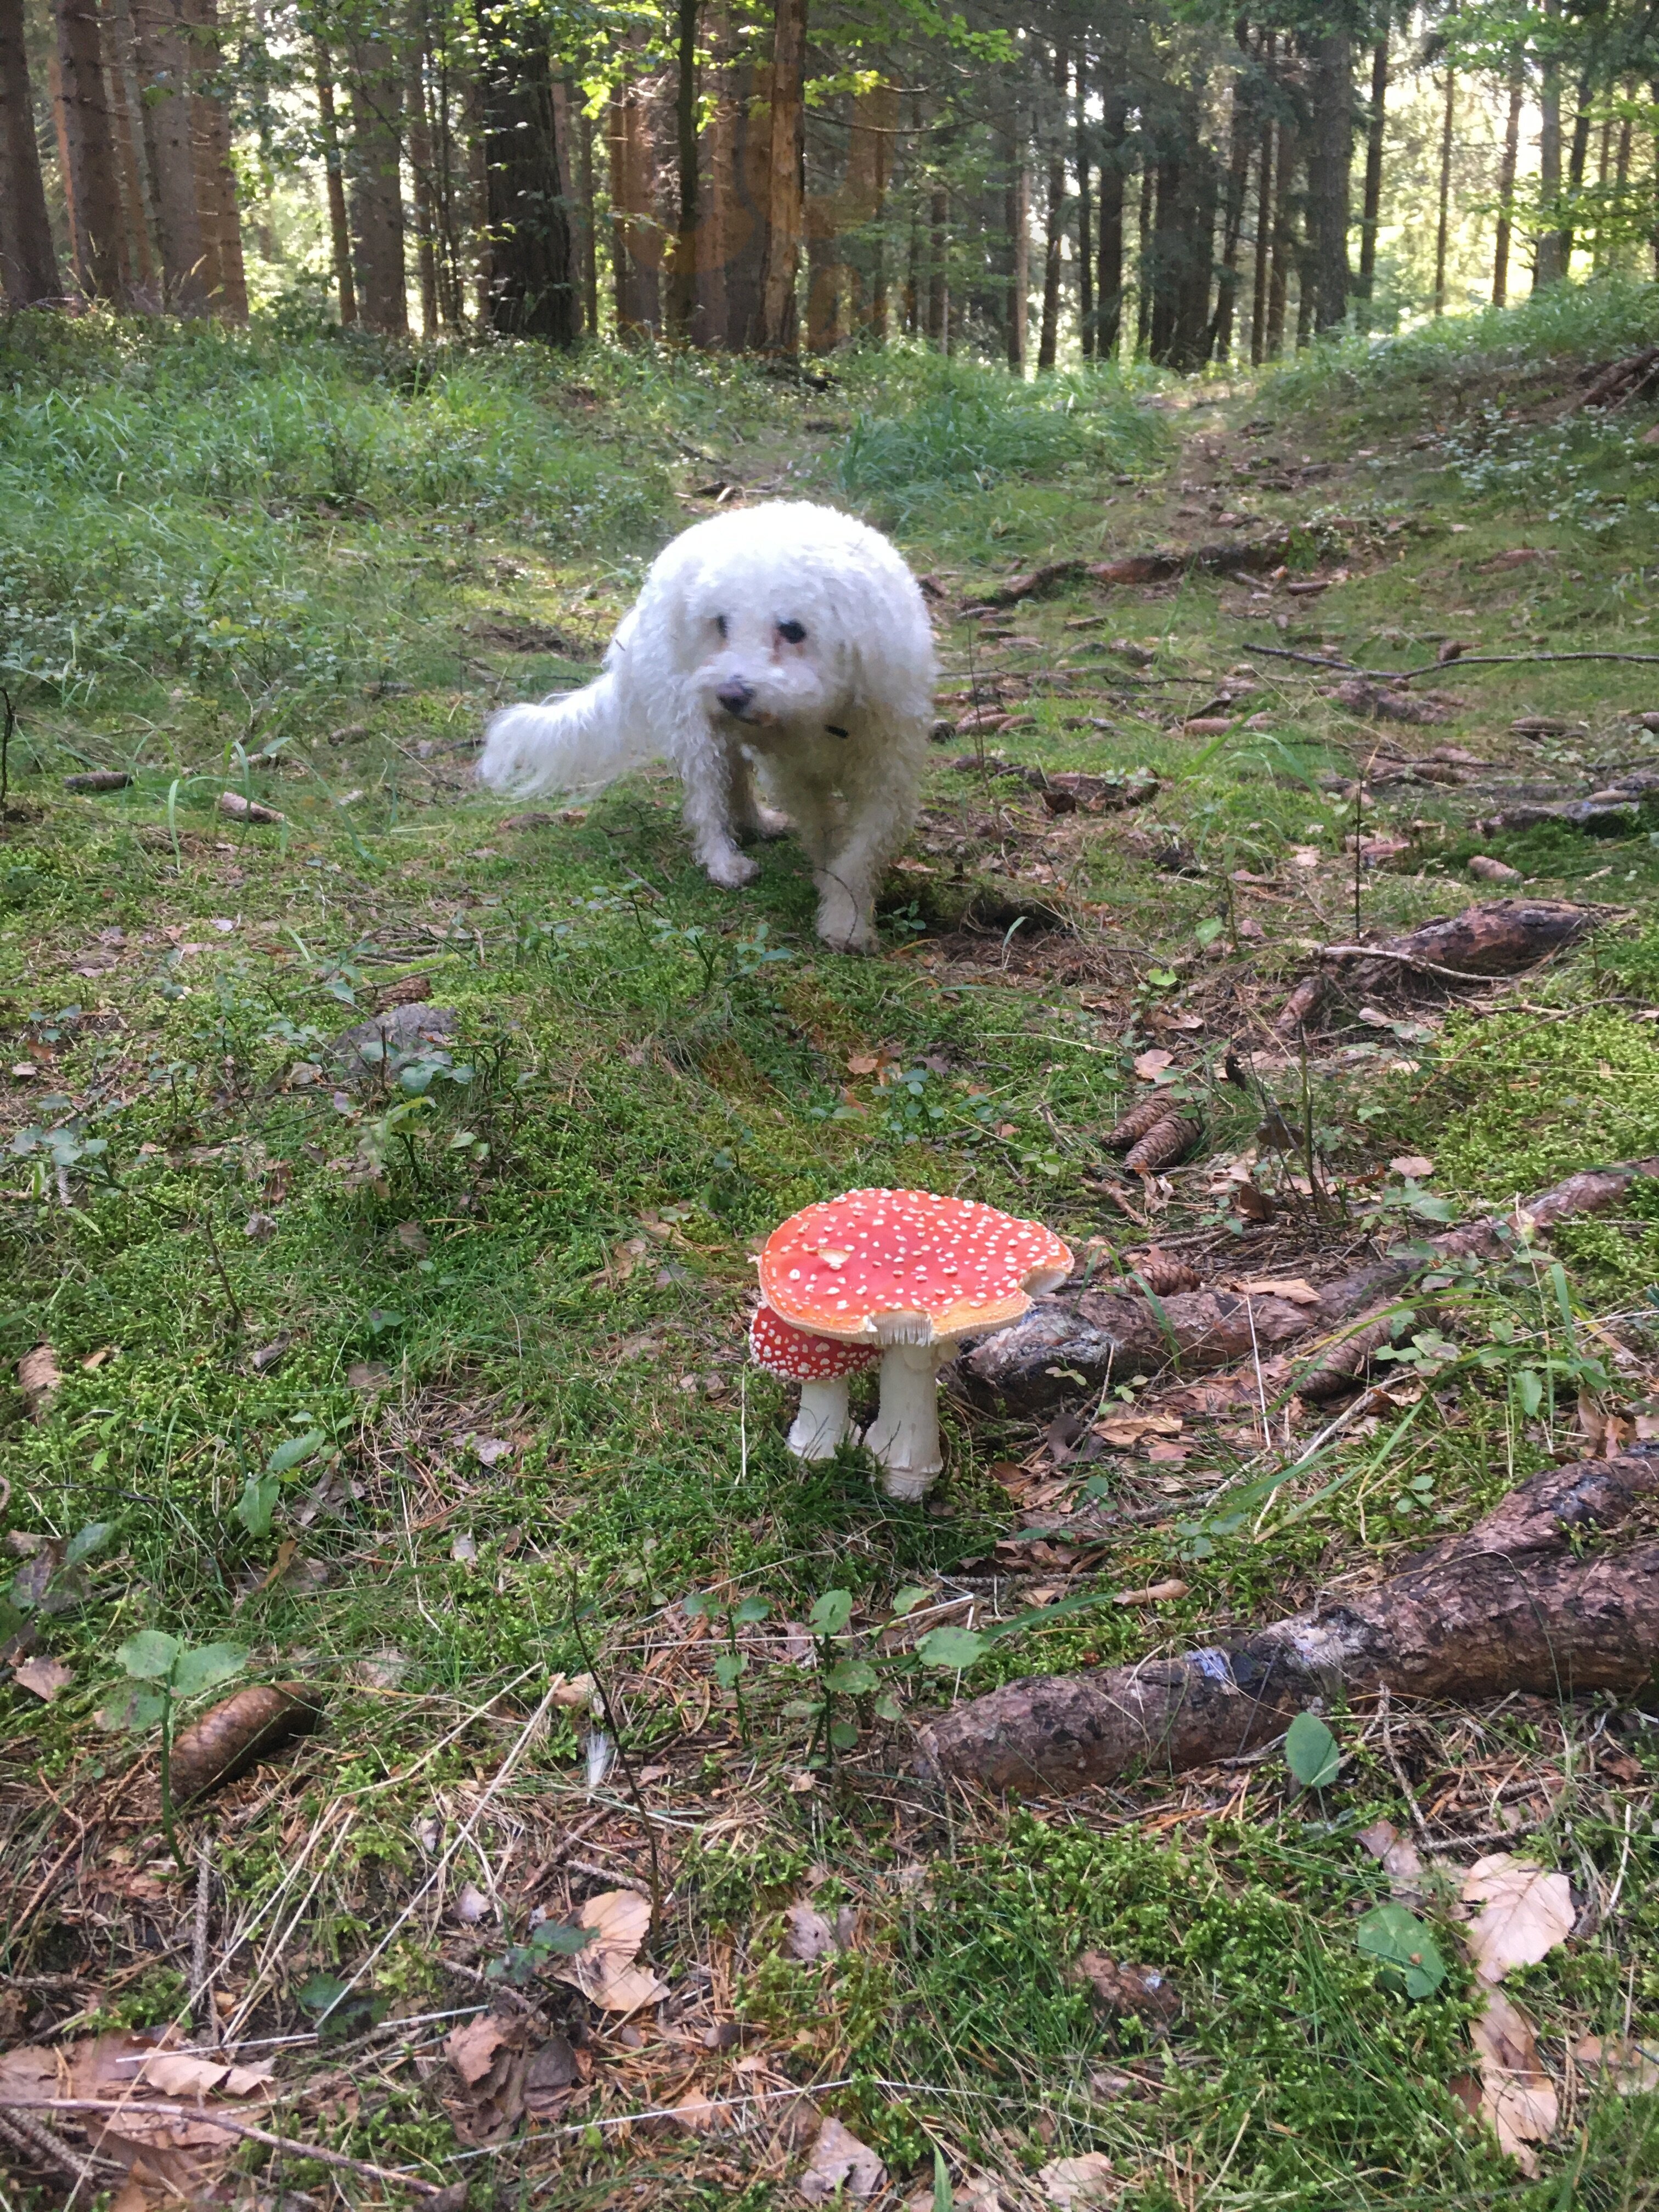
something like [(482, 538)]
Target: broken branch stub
[(1506, 1607)]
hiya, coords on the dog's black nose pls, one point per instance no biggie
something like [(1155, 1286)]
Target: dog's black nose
[(734, 697)]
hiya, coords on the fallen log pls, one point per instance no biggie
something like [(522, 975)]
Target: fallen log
[(1154, 568), (1506, 1607), (1065, 1344), (1500, 937)]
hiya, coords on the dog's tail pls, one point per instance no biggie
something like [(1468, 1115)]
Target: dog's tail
[(570, 743)]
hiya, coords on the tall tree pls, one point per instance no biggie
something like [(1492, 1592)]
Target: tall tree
[(1055, 217), (1017, 223), (375, 169), (635, 240), (29, 263), (217, 199), (785, 178), (1330, 157), (938, 267), (683, 283), (1376, 134), (139, 267), (1087, 331), (1113, 156), (91, 189), (1550, 258), (422, 171), (1442, 228), (334, 184), (532, 294), (1500, 262), (161, 49), (1241, 132)]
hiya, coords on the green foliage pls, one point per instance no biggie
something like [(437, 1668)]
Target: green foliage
[(1410, 1957), (1311, 1752)]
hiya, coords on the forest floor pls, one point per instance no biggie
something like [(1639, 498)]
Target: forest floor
[(424, 1384)]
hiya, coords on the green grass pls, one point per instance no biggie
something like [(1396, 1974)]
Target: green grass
[(545, 1241)]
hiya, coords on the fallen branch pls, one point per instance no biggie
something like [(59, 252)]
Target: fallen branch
[(202, 2117), (1153, 567), (1500, 937), (1439, 667), (1065, 1344), (1506, 1607)]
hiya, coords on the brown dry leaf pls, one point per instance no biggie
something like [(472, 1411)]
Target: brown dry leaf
[(1620, 2063), (470, 2048), (489, 2061), (1293, 1287), (1123, 1987), (177, 2073), (1149, 1066), (605, 1970), (1516, 2095), (1527, 1912), (550, 2079), (39, 1379), (1412, 1165), (1070, 2184), (699, 2114), (810, 1937), (184, 2153), (863, 1063), (972, 2192), (45, 1677), (1399, 1858), (1132, 1427), (840, 2165)]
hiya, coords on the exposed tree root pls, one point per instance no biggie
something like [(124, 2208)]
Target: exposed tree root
[(1508, 1607), (1064, 1343), (1501, 937)]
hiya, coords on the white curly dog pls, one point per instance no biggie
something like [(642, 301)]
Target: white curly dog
[(785, 645)]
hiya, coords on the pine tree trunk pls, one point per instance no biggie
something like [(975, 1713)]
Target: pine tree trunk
[(91, 187), (334, 178), (1017, 222), (717, 225), (1500, 263), (421, 172), (1550, 264), (445, 194), (634, 251), (1238, 180), (1144, 275), (216, 198), (1576, 159), (1264, 229), (1376, 128), (1048, 340), (786, 181), (1279, 283), (938, 278), (1085, 242), (530, 292), (28, 263), (683, 279), (590, 220), (868, 142), (1443, 229), (375, 169), (1108, 264), (138, 268), (1330, 154), (162, 56), (745, 224)]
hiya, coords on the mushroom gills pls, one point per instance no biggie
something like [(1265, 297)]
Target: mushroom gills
[(903, 1438), (823, 1421)]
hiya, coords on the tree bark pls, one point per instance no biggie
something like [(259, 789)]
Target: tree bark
[(334, 180), (422, 174), (786, 194), (938, 271), (375, 169), (1109, 267), (1085, 241), (590, 227), (531, 291), (683, 277), (163, 62), (28, 263), (138, 268), (635, 246), (745, 216), (217, 206), (869, 140), (1144, 277), (1512, 1605), (1330, 157), (1233, 222), (1017, 221), (1286, 155), (1501, 937), (1048, 339), (1264, 221), (91, 185), (1375, 131), (1576, 159), (1500, 261), (1550, 263), (1442, 228)]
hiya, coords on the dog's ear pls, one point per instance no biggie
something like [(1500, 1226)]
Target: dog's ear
[(889, 648)]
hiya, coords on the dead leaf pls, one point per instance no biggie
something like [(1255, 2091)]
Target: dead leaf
[(605, 1970), (492, 1450), (1516, 2095), (1413, 1165), (39, 1379), (1154, 1594), (471, 1906), (1293, 1287), (1073, 2183), (470, 2048), (552, 2073), (840, 2165), (1149, 1066), (1399, 1858), (1621, 2064), (810, 1937), (45, 1677), (1527, 1912), (1130, 1989), (863, 1063), (699, 2114), (489, 2060), (1132, 1428)]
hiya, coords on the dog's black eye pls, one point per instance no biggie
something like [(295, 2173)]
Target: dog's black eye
[(793, 632), (719, 624)]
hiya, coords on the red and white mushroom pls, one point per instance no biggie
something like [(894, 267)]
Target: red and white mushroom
[(821, 1365), (912, 1273)]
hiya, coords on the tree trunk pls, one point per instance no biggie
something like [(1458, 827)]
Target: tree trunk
[(1376, 128), (590, 227), (683, 277), (1330, 155), (1238, 181), (718, 226), (29, 263), (634, 241), (92, 192), (786, 179), (445, 193), (1144, 282), (1500, 261), (938, 274), (1017, 221), (421, 171), (1048, 339), (1264, 221), (1550, 264), (334, 178), (1442, 228), (745, 219), (163, 64), (138, 268), (868, 142), (218, 210), (1284, 240), (530, 292), (1086, 240), (375, 169), (1581, 132), (1108, 266)]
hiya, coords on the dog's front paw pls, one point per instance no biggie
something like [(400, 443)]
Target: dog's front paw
[(844, 929), (770, 824), (731, 870)]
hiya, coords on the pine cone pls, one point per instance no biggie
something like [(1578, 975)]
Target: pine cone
[(1161, 1274), (1140, 1118), (1171, 1140)]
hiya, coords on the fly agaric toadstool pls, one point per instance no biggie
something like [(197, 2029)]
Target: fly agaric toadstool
[(821, 1365), (913, 1273)]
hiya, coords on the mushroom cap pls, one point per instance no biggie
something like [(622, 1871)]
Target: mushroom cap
[(906, 1267), (799, 1357)]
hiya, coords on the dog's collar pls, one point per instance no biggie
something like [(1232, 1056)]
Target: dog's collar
[(834, 730)]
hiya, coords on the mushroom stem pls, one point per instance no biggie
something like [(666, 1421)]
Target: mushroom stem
[(822, 1421), (904, 1436)]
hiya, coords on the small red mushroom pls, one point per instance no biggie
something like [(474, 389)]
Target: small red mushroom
[(913, 1273), (821, 1365)]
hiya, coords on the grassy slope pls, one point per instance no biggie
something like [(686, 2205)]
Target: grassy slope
[(220, 557)]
